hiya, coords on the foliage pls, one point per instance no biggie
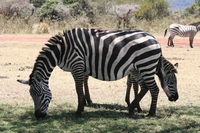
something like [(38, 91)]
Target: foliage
[(68, 2), (82, 8), (37, 3), (124, 13), (51, 10), (194, 9), (16, 8), (152, 9)]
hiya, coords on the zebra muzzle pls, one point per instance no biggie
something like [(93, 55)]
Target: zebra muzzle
[(173, 97), (39, 114)]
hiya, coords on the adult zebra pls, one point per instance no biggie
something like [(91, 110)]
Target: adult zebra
[(105, 55), (182, 31)]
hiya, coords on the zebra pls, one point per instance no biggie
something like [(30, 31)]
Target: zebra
[(169, 69), (104, 55), (182, 31)]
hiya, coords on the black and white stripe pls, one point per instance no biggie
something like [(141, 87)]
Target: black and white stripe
[(171, 81), (105, 55), (182, 31)]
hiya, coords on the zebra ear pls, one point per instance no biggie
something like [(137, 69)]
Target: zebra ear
[(175, 67), (23, 81)]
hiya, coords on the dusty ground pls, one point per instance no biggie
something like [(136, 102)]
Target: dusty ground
[(44, 38), (18, 54)]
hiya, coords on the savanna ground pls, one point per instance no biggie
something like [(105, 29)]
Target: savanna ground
[(109, 111)]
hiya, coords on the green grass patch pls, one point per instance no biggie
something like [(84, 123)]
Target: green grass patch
[(98, 118)]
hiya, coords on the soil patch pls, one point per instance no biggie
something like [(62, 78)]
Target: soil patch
[(45, 38)]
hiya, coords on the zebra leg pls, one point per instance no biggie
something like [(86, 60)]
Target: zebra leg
[(128, 89), (152, 86), (78, 75), (191, 41), (138, 97), (170, 42), (154, 97), (87, 93)]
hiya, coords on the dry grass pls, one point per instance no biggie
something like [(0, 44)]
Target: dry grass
[(16, 112), (17, 59)]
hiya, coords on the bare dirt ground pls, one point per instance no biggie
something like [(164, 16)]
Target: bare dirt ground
[(18, 54), (45, 38)]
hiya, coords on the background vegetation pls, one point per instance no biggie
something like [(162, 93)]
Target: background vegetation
[(27, 16)]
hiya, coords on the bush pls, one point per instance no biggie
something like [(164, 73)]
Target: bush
[(37, 3), (52, 10), (16, 8), (194, 9), (152, 9)]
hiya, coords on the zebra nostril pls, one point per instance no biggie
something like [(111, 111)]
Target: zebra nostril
[(173, 98)]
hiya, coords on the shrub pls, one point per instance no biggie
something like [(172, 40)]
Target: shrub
[(37, 3), (41, 28), (16, 8), (52, 10), (152, 9)]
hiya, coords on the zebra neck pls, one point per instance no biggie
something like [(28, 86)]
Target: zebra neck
[(43, 67)]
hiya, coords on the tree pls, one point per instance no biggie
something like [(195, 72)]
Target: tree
[(124, 13), (194, 9)]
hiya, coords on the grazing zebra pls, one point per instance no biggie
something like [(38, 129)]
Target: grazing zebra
[(182, 31), (169, 71), (104, 55)]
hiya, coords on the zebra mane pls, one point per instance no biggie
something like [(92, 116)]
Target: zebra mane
[(51, 46), (169, 64), (195, 23)]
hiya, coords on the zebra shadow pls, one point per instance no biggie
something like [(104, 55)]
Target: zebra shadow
[(108, 106), (99, 110)]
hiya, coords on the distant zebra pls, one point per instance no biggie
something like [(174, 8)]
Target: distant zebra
[(105, 55), (182, 31)]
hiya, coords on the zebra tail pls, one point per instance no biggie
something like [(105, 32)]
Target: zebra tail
[(165, 32)]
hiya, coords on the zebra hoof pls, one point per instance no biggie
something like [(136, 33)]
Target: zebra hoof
[(139, 110), (89, 102), (78, 115), (150, 115)]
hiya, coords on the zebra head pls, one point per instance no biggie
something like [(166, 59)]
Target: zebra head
[(171, 81), (40, 94), (168, 80)]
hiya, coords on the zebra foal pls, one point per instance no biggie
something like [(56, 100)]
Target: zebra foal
[(169, 71), (182, 31), (104, 55)]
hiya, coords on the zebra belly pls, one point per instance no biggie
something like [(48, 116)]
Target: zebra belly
[(112, 74)]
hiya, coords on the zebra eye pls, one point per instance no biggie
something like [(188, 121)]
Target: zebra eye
[(32, 92)]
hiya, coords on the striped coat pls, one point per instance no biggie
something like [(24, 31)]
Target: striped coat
[(102, 54)]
